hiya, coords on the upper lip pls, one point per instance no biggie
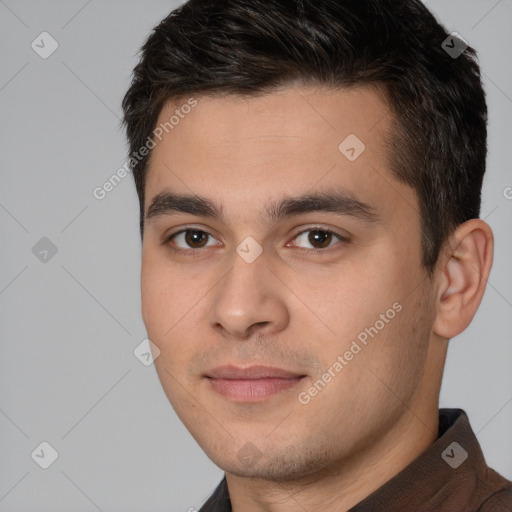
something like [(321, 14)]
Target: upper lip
[(252, 372)]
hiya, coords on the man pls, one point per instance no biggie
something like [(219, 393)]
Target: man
[(309, 176)]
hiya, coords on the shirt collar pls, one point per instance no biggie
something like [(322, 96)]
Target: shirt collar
[(448, 470)]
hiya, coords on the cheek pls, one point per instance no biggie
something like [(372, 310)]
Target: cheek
[(161, 304), (169, 305), (163, 291), (397, 354), (162, 309), (372, 316), (154, 301), (354, 298)]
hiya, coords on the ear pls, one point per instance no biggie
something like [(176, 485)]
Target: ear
[(465, 265)]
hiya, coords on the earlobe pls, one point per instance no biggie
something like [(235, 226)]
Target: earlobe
[(466, 264)]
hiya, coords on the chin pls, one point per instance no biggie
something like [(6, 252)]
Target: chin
[(288, 465)]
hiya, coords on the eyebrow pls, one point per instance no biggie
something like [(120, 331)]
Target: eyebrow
[(332, 201)]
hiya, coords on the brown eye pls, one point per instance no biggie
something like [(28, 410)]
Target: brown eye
[(187, 239), (319, 238), (195, 238), (322, 238)]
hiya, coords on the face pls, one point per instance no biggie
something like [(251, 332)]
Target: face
[(290, 307)]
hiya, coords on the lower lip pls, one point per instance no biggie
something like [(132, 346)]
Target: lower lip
[(252, 390)]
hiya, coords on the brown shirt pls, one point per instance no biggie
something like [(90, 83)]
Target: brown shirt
[(450, 476)]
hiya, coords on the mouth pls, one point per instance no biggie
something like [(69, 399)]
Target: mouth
[(251, 384)]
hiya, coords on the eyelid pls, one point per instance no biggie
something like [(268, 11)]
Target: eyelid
[(342, 238), (317, 227), (183, 229), (168, 237)]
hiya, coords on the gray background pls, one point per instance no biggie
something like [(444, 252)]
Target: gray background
[(69, 325)]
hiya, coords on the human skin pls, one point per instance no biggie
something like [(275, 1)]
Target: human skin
[(297, 310)]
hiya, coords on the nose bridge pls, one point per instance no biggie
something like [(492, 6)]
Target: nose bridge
[(247, 294)]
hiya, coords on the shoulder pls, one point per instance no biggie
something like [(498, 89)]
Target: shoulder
[(499, 494)]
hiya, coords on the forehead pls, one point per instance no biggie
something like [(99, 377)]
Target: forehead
[(311, 113), (241, 149)]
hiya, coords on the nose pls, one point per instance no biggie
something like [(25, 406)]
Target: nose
[(249, 300)]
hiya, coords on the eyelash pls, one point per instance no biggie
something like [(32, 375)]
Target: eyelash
[(196, 252)]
